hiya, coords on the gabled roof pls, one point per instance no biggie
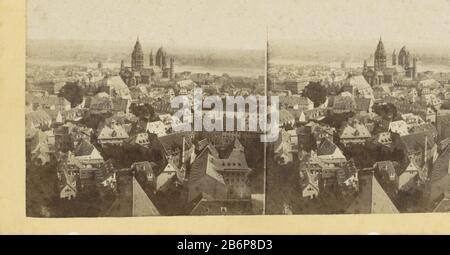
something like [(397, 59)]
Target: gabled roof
[(204, 165), (173, 142), (441, 166), (205, 144), (326, 147), (144, 166), (111, 131), (37, 117), (387, 167), (84, 148), (285, 116), (371, 198), (132, 201), (363, 104)]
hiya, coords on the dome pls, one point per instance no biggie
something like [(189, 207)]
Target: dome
[(160, 52)]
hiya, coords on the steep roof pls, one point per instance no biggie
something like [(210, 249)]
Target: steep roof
[(371, 198), (326, 147), (174, 142), (204, 165), (441, 166), (131, 200), (84, 148)]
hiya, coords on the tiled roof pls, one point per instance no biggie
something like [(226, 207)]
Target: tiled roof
[(203, 165), (84, 148), (326, 147)]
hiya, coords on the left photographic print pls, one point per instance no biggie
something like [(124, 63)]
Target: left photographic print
[(105, 82)]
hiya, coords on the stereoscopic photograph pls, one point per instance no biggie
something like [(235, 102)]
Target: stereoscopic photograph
[(198, 108), (104, 82), (364, 94)]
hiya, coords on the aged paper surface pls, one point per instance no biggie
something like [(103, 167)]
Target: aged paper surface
[(270, 40)]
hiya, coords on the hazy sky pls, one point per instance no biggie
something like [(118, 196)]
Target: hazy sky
[(211, 23), (403, 21), (241, 23)]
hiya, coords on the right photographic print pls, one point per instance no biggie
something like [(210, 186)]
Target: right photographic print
[(364, 107)]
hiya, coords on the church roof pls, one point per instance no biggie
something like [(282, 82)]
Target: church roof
[(380, 49), (132, 200), (137, 47), (84, 148), (371, 198)]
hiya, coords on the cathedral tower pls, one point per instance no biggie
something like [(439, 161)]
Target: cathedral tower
[(137, 57), (403, 57), (160, 58), (380, 57)]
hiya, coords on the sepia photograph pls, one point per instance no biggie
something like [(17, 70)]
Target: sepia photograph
[(102, 77), (364, 108), (225, 117)]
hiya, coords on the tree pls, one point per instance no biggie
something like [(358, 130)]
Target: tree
[(386, 111), (336, 120), (316, 93), (73, 93), (145, 111)]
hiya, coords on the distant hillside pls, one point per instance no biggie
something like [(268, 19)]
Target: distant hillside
[(108, 51), (353, 51)]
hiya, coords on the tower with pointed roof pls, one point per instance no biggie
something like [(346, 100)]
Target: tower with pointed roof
[(137, 57), (380, 57)]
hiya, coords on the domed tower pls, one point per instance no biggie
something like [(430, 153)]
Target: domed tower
[(160, 58), (380, 57), (137, 57), (403, 57)]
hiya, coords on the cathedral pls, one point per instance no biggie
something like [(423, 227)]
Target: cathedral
[(159, 67), (380, 72)]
